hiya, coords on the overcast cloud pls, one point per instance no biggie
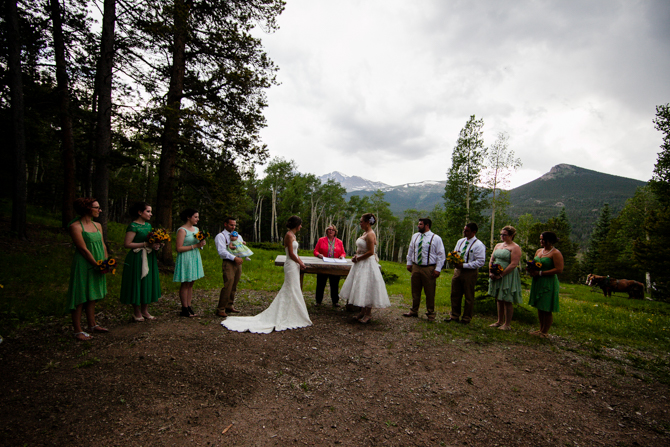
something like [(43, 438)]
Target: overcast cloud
[(381, 89)]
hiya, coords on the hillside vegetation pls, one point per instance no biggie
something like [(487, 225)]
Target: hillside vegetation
[(582, 192)]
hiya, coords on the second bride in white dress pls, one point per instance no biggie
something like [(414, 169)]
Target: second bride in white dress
[(288, 309), (365, 285)]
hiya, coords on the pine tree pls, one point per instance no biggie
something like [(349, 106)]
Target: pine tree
[(598, 237), (464, 199)]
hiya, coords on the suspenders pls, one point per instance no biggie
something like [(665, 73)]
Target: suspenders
[(467, 253), (430, 245)]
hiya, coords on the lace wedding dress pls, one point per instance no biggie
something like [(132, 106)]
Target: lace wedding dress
[(287, 310), (365, 286)]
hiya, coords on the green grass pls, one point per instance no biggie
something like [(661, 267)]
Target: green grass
[(34, 284)]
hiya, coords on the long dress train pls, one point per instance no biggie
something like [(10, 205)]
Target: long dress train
[(287, 310)]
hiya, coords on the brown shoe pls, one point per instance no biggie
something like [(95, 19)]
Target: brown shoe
[(410, 314), (430, 317), (221, 314), (232, 310)]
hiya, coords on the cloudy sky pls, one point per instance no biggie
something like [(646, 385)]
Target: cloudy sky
[(381, 88)]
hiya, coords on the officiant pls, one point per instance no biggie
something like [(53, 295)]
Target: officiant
[(329, 247)]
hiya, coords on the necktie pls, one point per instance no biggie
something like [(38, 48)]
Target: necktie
[(419, 256), (465, 249)]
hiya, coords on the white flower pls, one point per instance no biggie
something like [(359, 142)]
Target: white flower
[(372, 220)]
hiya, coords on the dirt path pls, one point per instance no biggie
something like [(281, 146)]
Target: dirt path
[(179, 381)]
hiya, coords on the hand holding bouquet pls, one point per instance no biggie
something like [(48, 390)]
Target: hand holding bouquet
[(454, 257), (107, 266), (158, 237), (496, 270), (533, 266), (202, 235)]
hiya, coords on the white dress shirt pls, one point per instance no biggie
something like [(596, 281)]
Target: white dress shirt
[(475, 256), (222, 241), (432, 250)]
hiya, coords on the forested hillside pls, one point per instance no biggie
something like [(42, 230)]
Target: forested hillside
[(582, 192)]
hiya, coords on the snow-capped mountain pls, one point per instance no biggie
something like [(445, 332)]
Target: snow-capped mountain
[(353, 183)]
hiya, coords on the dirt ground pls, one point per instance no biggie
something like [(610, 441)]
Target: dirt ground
[(180, 381)]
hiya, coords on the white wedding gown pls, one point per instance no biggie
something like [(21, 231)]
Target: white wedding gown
[(287, 310), (365, 286)]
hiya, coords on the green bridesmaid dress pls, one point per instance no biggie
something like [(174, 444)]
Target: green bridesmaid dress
[(544, 289), (86, 281), (136, 290)]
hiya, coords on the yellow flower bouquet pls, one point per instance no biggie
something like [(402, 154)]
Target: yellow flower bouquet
[(454, 257)]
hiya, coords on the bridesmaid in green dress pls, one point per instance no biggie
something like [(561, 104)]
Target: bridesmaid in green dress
[(141, 283), (544, 289), (506, 286), (87, 284), (188, 267)]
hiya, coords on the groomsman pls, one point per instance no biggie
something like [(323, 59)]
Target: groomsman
[(231, 268), (425, 259), (473, 252)]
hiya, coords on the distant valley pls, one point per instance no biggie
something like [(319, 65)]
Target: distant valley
[(581, 191)]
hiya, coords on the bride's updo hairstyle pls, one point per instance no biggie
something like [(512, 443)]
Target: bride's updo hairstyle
[(511, 231), (370, 218), (293, 222)]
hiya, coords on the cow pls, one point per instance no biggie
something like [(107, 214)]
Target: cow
[(634, 289)]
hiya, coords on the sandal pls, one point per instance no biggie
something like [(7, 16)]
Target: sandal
[(496, 324), (138, 319), (98, 328), (364, 320), (82, 336), (149, 317), (505, 328)]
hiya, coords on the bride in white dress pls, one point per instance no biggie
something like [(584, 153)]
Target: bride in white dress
[(365, 286), (288, 309)]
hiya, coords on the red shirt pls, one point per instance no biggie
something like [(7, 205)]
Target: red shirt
[(322, 248)]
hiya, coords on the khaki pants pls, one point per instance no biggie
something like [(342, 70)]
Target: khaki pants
[(231, 276), (463, 284), (422, 278)]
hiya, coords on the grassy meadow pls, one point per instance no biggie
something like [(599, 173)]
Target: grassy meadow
[(34, 278)]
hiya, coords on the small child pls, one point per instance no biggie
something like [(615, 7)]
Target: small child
[(239, 248)]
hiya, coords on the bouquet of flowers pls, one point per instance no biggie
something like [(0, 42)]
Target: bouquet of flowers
[(496, 269), (107, 266), (201, 235), (454, 257), (159, 236), (533, 265)]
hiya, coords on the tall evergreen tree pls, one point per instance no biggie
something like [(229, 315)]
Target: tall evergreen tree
[(598, 237), (464, 198), (207, 77), (20, 192), (653, 253)]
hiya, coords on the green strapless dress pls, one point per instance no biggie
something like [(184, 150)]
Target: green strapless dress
[(544, 289), (507, 288)]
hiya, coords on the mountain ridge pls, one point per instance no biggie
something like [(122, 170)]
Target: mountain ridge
[(564, 185)]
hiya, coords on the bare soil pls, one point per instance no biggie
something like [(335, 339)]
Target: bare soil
[(181, 381)]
